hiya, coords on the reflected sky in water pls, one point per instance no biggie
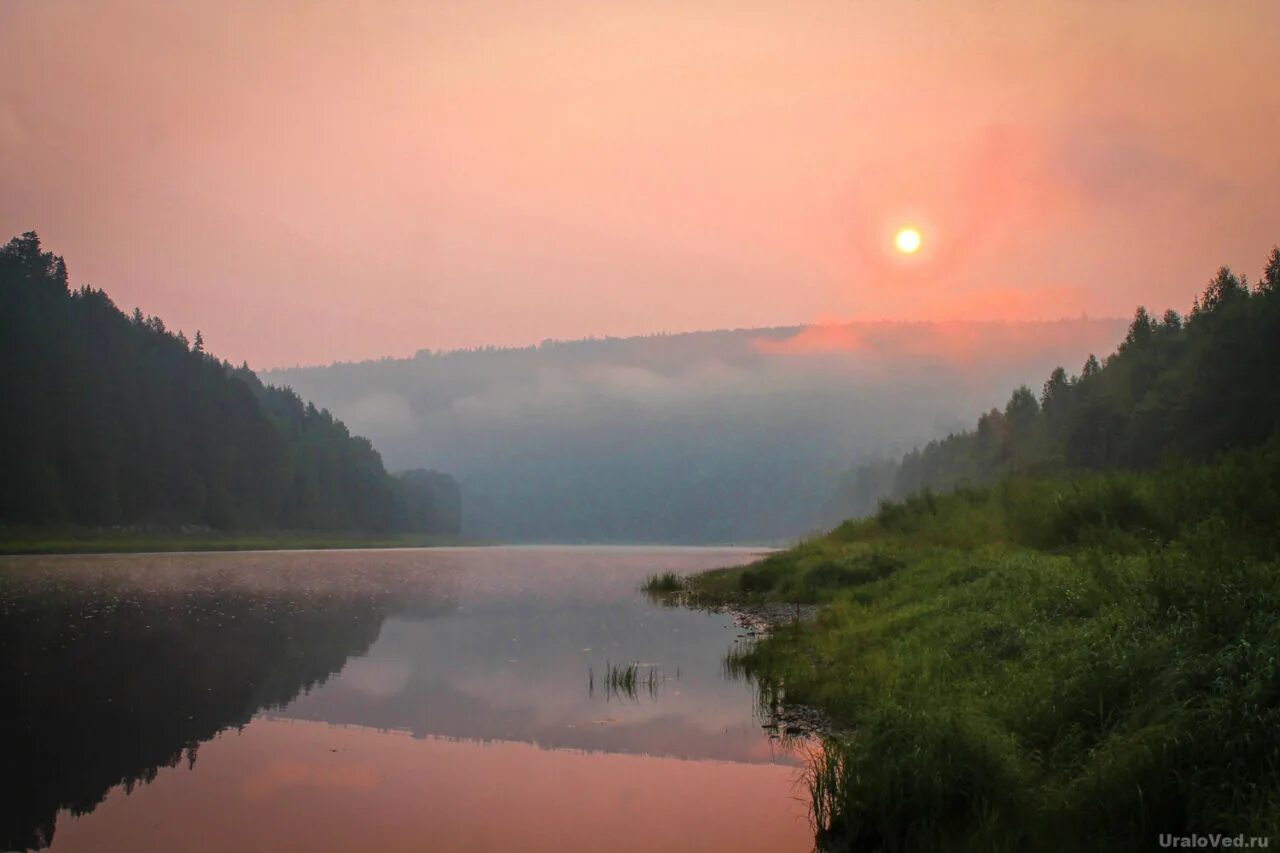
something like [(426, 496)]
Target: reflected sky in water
[(319, 698)]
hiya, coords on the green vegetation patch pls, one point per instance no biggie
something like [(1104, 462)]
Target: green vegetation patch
[(1043, 664), (665, 583)]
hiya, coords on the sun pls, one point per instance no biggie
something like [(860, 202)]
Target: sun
[(907, 241)]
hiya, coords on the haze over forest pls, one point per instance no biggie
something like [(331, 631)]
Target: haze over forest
[(743, 435), (309, 183), (945, 331)]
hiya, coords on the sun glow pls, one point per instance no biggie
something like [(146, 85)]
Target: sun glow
[(907, 241)]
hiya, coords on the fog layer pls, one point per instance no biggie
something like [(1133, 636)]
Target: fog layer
[(719, 436)]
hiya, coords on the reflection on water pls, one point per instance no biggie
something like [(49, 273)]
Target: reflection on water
[(453, 698)]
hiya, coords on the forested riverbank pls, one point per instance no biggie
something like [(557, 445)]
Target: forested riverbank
[(113, 420), (1062, 651)]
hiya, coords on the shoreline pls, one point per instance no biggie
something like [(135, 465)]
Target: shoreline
[(1071, 663), (98, 542), (88, 543)]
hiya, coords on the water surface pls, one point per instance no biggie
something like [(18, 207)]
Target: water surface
[(449, 699)]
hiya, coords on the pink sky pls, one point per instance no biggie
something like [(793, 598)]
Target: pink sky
[(311, 181)]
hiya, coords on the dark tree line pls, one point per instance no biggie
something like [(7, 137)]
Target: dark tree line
[(1174, 389), (115, 420)]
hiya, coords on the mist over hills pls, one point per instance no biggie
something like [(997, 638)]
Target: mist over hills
[(719, 436)]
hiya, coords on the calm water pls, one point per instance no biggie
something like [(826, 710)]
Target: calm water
[(450, 699)]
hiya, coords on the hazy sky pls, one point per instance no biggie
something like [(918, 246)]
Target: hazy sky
[(309, 181)]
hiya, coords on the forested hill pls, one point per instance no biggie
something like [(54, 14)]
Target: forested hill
[(1174, 388), (715, 436), (114, 420)]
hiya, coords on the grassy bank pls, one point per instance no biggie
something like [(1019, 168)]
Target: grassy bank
[(72, 541), (1042, 664)]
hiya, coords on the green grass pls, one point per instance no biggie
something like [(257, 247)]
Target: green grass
[(629, 679), (1039, 665), (65, 541), (665, 583)]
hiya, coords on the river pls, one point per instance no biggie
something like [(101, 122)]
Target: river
[(431, 699)]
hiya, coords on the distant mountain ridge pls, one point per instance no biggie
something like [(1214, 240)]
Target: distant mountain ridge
[(718, 436)]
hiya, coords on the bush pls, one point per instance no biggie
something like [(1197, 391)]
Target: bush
[(851, 570)]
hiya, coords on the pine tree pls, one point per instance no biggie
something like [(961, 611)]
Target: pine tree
[(1022, 409), (1223, 289), (1270, 282), (1140, 329)]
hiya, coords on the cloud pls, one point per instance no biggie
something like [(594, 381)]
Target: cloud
[(379, 678), (389, 412), (823, 338), (1118, 161)]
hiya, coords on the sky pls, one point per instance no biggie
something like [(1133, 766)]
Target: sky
[(310, 181)]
